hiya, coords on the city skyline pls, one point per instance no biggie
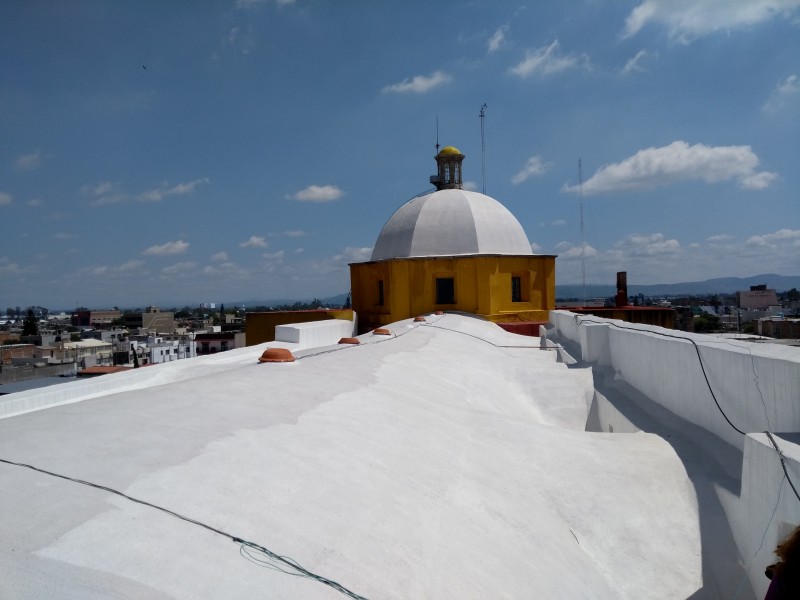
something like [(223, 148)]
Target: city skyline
[(254, 149)]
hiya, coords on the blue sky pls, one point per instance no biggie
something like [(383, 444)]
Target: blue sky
[(179, 153)]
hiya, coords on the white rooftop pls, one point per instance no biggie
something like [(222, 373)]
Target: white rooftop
[(448, 460), (451, 222)]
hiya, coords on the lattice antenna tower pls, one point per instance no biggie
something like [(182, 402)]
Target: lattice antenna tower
[(483, 146), (583, 242)]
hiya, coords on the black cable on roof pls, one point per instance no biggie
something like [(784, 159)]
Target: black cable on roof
[(294, 568)]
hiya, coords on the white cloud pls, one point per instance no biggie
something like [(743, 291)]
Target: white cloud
[(255, 241), (782, 237), (299, 250), (110, 193), (29, 162), (567, 251), (419, 84), (319, 193), (34, 202), (179, 247), (686, 20), (130, 265), (351, 255), (220, 257), (677, 162), (535, 248), (497, 39), (273, 256), (5, 199), (178, 268), (784, 94), (634, 65), (8, 267), (546, 60), (558, 223), (158, 194), (294, 233), (533, 168), (716, 239), (654, 244)]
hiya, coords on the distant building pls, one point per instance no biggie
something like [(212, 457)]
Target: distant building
[(94, 318), (152, 319), (211, 343), (758, 298), (779, 328), (455, 250)]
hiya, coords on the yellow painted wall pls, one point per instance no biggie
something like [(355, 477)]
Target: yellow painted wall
[(260, 326), (482, 287)]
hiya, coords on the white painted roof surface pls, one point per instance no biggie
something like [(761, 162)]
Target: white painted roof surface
[(449, 223), (444, 461)]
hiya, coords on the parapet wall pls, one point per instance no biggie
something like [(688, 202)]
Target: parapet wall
[(755, 385)]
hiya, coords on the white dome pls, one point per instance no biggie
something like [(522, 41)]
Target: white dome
[(448, 223)]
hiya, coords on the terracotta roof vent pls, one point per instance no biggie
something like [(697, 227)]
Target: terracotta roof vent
[(439, 312), (381, 331), (276, 355), (419, 319), (349, 340)]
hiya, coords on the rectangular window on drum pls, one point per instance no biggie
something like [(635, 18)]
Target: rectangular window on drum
[(516, 289), (445, 290)]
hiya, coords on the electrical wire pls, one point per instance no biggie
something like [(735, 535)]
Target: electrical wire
[(276, 561), (708, 383)]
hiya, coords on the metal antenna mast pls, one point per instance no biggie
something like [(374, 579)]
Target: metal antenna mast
[(483, 147), (583, 243), (437, 134)]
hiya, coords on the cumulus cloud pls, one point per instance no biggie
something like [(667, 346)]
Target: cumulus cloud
[(255, 241), (654, 167), (107, 192), (497, 39), (634, 65), (8, 267), (179, 247), (130, 265), (178, 268), (546, 60), (535, 248), (220, 257), (273, 256), (782, 237), (29, 162), (686, 20), (653, 244), (716, 239), (158, 194), (318, 193), (785, 93), (5, 199), (567, 251), (419, 84), (533, 168), (34, 202), (108, 270), (351, 255)]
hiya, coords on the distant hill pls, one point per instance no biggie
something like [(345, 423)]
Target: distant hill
[(722, 285)]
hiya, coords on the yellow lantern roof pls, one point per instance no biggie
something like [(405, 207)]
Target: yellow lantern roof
[(449, 150)]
